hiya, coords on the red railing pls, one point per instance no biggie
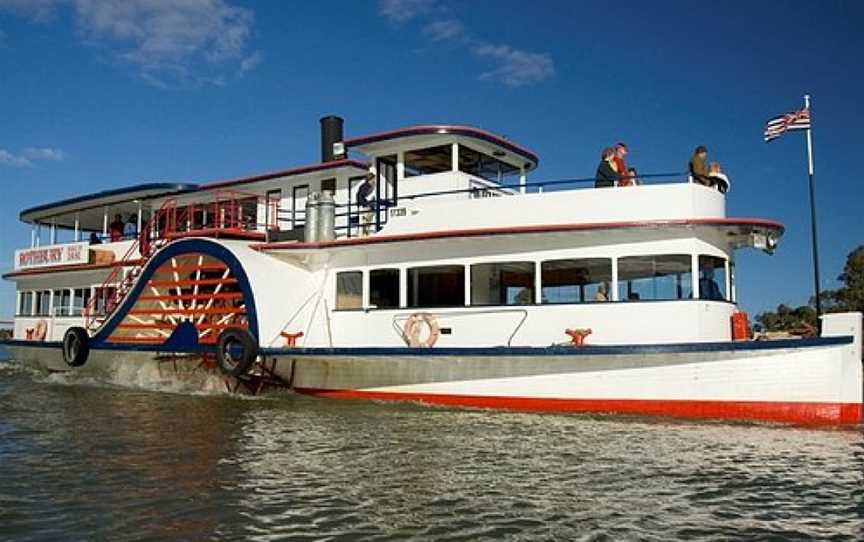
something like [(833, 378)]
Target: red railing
[(230, 210), (162, 223)]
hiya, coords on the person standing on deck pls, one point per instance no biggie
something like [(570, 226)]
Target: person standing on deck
[(130, 230), (366, 203), (115, 229), (620, 166), (606, 175), (698, 167)]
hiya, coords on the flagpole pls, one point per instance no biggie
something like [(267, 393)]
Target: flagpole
[(813, 212)]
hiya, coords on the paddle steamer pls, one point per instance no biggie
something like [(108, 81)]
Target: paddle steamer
[(460, 283)]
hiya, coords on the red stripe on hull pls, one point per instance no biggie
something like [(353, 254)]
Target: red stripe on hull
[(786, 412)]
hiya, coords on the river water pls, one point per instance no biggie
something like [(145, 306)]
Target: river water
[(87, 460)]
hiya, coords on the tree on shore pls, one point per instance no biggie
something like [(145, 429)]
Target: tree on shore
[(849, 297)]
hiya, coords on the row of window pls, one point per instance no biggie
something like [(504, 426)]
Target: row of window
[(440, 159), (583, 280), (66, 301)]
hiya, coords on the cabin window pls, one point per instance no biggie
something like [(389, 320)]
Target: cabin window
[(328, 185), (43, 303), (103, 295), (643, 278), (63, 303), (428, 161), (25, 304), (507, 283), (484, 166), (349, 290), (80, 299), (712, 278), (384, 288), (438, 286), (576, 280)]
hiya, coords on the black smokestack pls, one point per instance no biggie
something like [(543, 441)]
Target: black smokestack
[(332, 147)]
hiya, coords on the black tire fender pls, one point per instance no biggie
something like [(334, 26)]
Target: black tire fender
[(236, 350), (76, 346)]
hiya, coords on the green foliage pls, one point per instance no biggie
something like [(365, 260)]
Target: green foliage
[(849, 297), (787, 318)]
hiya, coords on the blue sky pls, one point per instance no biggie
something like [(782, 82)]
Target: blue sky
[(103, 94)]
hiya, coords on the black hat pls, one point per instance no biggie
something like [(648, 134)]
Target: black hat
[(701, 148)]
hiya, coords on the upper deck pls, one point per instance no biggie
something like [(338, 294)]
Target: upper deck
[(427, 179)]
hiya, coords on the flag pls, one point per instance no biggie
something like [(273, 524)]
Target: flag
[(799, 120)]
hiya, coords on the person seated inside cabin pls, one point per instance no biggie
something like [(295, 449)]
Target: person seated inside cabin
[(697, 166), (634, 296), (130, 229), (602, 292), (94, 238), (606, 175), (718, 178), (115, 229), (708, 288)]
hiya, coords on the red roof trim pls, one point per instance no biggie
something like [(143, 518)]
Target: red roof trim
[(60, 268), (285, 173), (432, 129), (543, 228)]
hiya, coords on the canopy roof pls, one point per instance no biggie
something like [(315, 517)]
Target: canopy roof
[(90, 208), (498, 145)]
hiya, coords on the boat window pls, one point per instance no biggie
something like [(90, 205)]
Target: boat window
[(508, 283), (43, 303), (712, 278), (62, 302), (655, 277), (482, 165), (25, 306), (328, 185), (102, 297), (80, 299), (428, 161), (439, 286), (349, 290), (576, 280), (384, 288)]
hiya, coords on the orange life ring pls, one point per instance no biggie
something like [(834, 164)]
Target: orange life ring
[(40, 331), (411, 330)]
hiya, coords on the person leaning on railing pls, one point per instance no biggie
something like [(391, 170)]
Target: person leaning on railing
[(365, 204)]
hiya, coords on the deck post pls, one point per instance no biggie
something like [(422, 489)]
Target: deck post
[(52, 236), (454, 157), (77, 227), (140, 209), (105, 220), (694, 275), (614, 286), (32, 235), (522, 179)]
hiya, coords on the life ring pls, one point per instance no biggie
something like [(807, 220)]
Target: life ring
[(40, 331), (411, 330)]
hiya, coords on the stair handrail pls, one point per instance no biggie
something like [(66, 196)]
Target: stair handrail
[(142, 238)]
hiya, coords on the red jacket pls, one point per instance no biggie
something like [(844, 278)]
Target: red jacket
[(622, 172)]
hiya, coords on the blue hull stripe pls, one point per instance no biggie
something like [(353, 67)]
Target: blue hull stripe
[(628, 349)]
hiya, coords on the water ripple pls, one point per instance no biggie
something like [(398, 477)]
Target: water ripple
[(84, 460)]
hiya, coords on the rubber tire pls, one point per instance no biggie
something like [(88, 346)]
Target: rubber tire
[(76, 346), (236, 366)]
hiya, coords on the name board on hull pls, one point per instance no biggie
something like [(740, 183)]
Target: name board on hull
[(52, 255)]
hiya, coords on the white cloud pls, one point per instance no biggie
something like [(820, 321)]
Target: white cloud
[(29, 156), (9, 159), (401, 11), (43, 153), (446, 30), (170, 43), (508, 65), (514, 67)]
